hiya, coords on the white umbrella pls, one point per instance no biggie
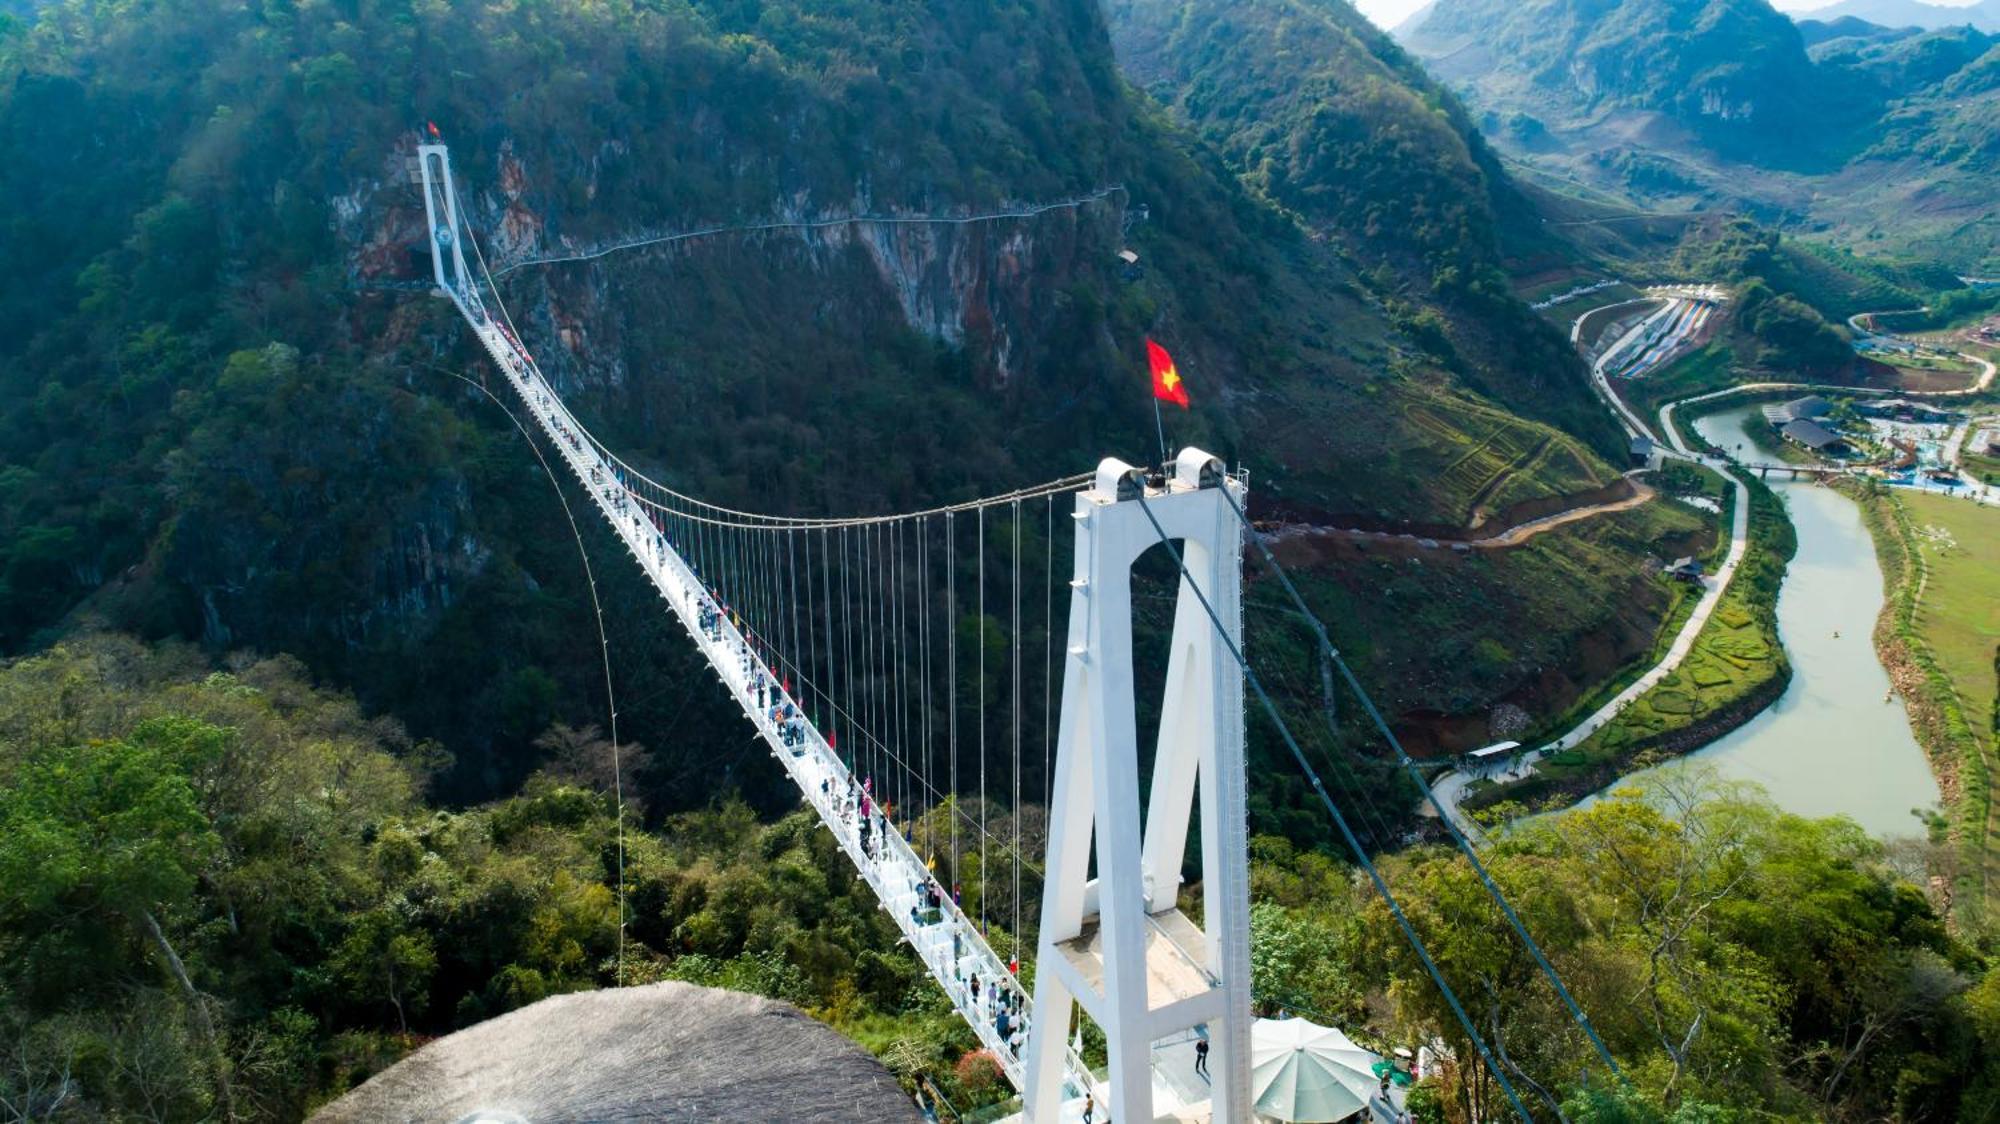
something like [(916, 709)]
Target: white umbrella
[(1301, 1071)]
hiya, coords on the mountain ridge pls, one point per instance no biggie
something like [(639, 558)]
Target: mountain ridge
[(1884, 141), (1984, 15)]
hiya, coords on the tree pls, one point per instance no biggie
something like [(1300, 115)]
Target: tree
[(382, 959), (110, 831)]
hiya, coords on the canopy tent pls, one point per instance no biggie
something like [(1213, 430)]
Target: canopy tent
[(1301, 1071)]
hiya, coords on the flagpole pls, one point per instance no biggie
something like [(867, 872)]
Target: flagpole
[(1160, 427)]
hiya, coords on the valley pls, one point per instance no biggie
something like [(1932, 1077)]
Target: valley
[(989, 531)]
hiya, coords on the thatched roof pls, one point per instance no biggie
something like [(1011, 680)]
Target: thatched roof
[(668, 1051)]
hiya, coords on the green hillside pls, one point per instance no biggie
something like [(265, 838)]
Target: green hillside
[(1322, 115), (298, 672), (229, 412)]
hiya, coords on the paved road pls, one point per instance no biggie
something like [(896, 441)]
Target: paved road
[(1511, 537), (1451, 787)]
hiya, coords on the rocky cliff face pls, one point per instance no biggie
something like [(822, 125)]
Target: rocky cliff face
[(341, 496), (977, 279)]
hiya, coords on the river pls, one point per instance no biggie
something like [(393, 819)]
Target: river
[(1830, 745)]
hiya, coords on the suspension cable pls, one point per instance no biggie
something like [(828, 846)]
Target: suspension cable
[(924, 680), (638, 481), (981, 514), (603, 643), (1410, 769), (951, 688), (1333, 810), (1014, 662), (1049, 654)]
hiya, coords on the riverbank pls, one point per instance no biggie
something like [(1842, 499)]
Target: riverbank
[(1965, 856), (1732, 668), (1686, 704)]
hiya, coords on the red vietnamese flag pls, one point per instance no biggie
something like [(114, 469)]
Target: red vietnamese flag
[(1167, 384)]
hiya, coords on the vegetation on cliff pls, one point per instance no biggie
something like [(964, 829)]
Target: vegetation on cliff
[(230, 415)]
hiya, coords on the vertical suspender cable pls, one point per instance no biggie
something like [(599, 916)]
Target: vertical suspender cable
[(862, 719), (888, 684), (901, 681), (826, 583), (924, 677), (981, 606), (792, 600), (1014, 660), (871, 607), (951, 686)]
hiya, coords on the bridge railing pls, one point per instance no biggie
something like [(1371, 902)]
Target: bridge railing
[(951, 948)]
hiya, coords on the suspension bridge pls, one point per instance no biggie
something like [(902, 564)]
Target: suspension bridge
[(889, 662)]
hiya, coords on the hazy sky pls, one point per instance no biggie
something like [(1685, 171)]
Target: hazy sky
[(1389, 13)]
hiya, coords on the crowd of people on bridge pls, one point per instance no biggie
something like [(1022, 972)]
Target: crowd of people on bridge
[(995, 998)]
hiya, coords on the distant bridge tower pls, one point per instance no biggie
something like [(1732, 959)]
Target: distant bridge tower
[(1117, 945), (447, 244)]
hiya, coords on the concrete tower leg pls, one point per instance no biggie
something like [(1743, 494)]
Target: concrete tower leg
[(1118, 945)]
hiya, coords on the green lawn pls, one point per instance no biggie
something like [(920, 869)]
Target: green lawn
[(1943, 559), (1960, 610)]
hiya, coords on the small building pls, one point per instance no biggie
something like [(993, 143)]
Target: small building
[(1783, 414), (1642, 451), (1686, 570), (1815, 437)]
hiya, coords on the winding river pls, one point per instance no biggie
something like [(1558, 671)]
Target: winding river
[(1834, 743)]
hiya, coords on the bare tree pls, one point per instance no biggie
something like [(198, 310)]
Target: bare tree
[(586, 758)]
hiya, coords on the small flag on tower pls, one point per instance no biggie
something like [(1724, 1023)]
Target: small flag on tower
[(433, 126), (1167, 384)]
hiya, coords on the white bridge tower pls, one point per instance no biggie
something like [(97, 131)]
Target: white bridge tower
[(447, 248), (1117, 945)]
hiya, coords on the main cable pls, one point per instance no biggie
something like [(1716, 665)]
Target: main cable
[(603, 642), (737, 517)]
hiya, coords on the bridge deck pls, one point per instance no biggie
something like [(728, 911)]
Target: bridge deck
[(950, 947)]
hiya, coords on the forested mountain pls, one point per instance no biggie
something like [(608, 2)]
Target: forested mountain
[(1883, 140), (1320, 113), (230, 412), (337, 789)]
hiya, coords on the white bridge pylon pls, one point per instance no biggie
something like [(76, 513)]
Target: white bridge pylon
[(1118, 945), (1115, 945)]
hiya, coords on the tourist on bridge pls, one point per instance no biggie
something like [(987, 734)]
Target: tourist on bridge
[(1201, 1056)]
